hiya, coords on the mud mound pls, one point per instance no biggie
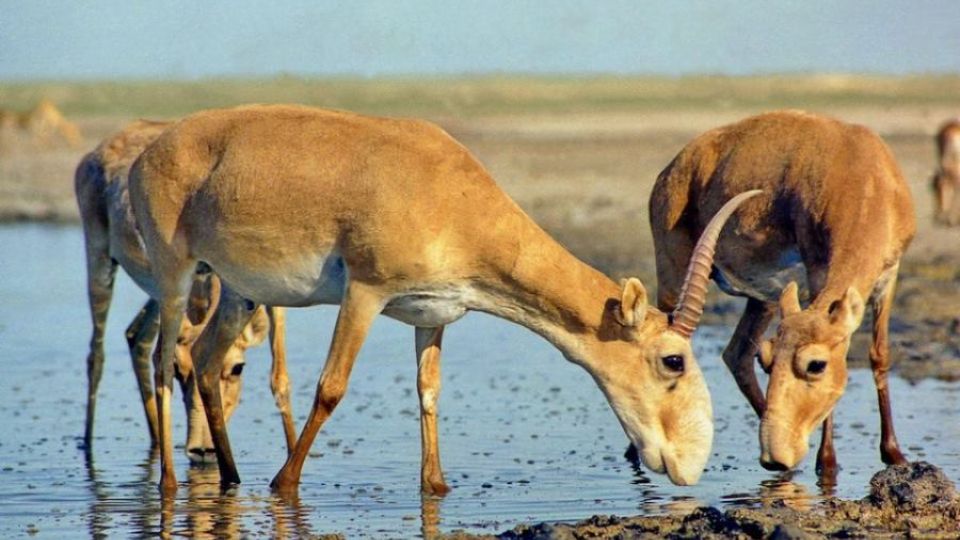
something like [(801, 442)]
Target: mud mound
[(912, 487), (915, 499)]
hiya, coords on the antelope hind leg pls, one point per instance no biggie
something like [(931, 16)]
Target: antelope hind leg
[(428, 388), (101, 271), (140, 337)]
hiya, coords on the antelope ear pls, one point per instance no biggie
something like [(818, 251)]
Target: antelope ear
[(789, 300), (256, 330), (633, 303), (848, 311)]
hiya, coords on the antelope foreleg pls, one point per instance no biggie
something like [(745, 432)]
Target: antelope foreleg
[(359, 307), (232, 315), (739, 354), (826, 455), (880, 363), (279, 378)]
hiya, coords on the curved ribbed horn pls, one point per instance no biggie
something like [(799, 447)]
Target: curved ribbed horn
[(693, 295)]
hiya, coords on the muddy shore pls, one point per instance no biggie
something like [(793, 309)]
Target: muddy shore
[(914, 500), (585, 178)]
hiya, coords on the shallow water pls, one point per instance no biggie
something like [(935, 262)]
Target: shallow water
[(525, 436)]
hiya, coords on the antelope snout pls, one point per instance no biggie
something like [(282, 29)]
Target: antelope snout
[(781, 448), (683, 454), (683, 474), (772, 465)]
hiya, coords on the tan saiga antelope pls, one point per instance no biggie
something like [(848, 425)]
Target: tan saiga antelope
[(112, 237), (297, 206), (946, 179), (836, 221)]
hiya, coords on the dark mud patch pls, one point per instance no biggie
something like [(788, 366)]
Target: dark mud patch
[(915, 499)]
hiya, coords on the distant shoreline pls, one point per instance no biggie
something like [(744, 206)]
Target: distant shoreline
[(472, 96)]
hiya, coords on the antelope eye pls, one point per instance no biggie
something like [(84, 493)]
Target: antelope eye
[(816, 367), (673, 363), (237, 370)]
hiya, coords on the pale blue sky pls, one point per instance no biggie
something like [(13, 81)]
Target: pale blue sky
[(102, 39)]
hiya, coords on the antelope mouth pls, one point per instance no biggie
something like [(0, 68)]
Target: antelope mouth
[(678, 475)]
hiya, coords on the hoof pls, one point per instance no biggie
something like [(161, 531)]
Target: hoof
[(827, 468), (229, 481), (284, 486), (893, 457), (435, 488), (229, 477), (168, 487)]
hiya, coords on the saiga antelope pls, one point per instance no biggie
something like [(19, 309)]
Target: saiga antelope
[(112, 237), (946, 179), (296, 206), (834, 226)]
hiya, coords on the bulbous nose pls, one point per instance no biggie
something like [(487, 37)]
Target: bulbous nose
[(772, 464), (201, 454)]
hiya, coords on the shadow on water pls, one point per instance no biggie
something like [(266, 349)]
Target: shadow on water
[(524, 436)]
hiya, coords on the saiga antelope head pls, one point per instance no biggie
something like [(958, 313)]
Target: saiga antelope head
[(807, 364), (659, 395), (204, 297)]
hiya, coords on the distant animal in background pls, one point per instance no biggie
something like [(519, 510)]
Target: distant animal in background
[(946, 179), (112, 238), (835, 220), (42, 127)]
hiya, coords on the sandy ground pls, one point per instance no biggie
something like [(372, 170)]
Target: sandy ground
[(586, 178)]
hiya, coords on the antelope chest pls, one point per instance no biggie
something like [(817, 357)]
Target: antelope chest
[(763, 279)]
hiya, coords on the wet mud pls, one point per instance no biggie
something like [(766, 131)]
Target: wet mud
[(912, 500)]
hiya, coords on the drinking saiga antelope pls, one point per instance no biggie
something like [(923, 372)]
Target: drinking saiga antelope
[(297, 206), (946, 179), (112, 238), (836, 221)]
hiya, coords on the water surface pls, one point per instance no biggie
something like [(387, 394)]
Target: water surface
[(524, 435)]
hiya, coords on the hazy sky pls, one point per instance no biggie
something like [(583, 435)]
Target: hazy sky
[(46, 39)]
